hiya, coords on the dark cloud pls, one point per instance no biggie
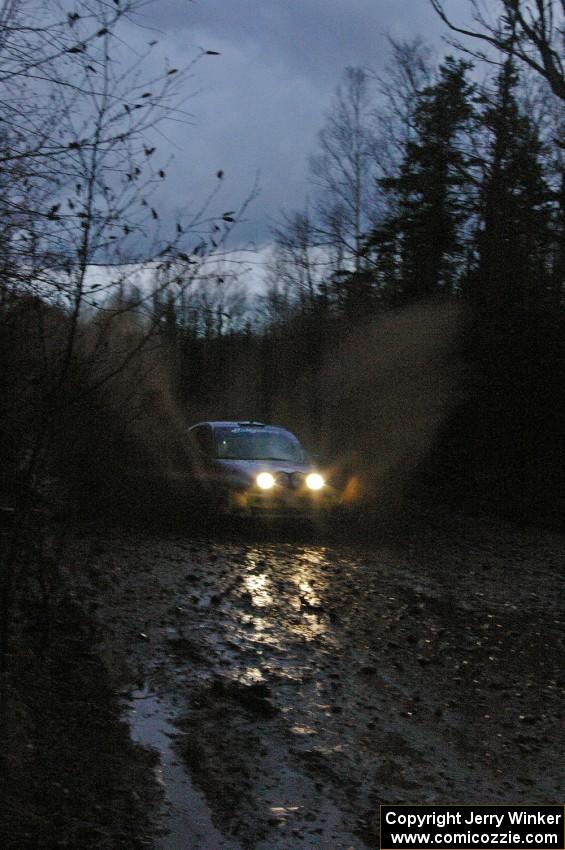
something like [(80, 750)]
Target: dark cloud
[(258, 106)]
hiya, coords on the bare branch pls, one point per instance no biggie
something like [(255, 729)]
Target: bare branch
[(531, 30)]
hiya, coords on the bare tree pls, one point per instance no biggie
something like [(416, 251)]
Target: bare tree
[(342, 171), (80, 173), (319, 255), (408, 72), (298, 265), (216, 303), (533, 31), (81, 170)]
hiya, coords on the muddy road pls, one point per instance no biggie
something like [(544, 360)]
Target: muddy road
[(291, 686)]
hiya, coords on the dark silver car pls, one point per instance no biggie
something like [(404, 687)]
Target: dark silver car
[(250, 466)]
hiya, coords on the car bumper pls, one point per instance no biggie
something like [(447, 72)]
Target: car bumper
[(270, 503)]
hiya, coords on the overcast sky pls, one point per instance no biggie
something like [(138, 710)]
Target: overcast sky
[(258, 106)]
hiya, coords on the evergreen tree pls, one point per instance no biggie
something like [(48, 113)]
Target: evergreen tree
[(513, 237), (428, 199), (511, 355)]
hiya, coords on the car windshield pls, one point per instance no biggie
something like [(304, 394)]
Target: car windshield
[(258, 444)]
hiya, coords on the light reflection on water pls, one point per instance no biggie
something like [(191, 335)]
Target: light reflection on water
[(258, 588), (252, 675), (311, 583), (314, 556), (308, 593), (303, 730), (309, 630), (298, 593), (186, 817)]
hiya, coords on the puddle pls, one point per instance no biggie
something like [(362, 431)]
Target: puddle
[(186, 814)]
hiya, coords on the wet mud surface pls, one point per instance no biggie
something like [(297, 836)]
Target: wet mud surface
[(301, 684)]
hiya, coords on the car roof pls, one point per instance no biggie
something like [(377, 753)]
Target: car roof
[(243, 423)]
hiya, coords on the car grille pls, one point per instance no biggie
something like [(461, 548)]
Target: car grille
[(290, 480)]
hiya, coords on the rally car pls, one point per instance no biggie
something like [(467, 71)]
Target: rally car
[(249, 466)]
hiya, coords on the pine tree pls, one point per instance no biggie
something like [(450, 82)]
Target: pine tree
[(510, 353), (513, 236), (428, 198)]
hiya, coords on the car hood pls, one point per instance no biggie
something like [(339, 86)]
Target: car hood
[(247, 470)]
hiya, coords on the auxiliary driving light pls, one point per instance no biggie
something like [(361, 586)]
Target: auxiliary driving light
[(315, 481), (265, 480)]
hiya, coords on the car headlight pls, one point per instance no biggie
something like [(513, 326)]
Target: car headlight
[(314, 481), (265, 480)]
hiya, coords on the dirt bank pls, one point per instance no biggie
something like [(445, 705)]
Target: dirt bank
[(70, 776)]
